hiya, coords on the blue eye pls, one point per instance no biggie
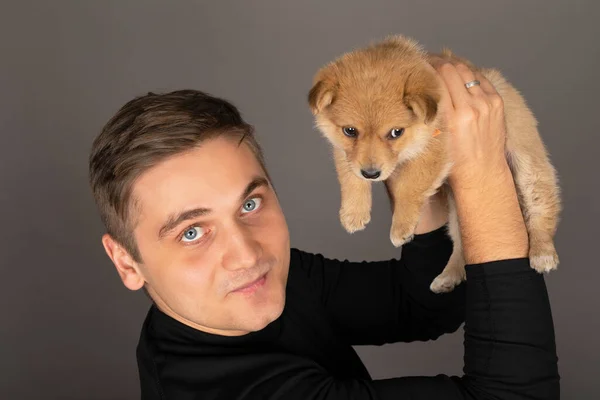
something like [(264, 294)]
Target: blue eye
[(252, 204), (192, 234)]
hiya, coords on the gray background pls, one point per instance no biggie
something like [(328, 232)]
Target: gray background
[(68, 327)]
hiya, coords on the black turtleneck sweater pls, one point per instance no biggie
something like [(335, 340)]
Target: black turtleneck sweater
[(331, 305)]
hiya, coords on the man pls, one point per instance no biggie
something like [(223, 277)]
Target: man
[(192, 217)]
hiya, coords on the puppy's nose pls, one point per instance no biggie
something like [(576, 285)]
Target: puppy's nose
[(370, 173)]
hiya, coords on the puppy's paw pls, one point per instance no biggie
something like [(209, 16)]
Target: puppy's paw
[(543, 257), (446, 281), (402, 233), (353, 220), (544, 262)]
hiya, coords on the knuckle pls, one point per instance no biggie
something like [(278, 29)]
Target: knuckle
[(461, 67), (484, 107), (497, 101), (466, 115)]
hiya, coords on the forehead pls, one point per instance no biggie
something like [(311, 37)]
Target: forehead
[(370, 110), (369, 105), (206, 176)]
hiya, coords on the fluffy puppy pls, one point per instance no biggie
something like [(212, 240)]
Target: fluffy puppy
[(378, 107)]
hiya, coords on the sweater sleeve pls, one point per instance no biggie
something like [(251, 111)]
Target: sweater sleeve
[(379, 302), (509, 350)]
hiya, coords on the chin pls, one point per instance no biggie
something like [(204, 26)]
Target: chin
[(264, 317), (267, 312)]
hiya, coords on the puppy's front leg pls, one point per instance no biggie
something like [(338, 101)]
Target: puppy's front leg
[(409, 186), (355, 211)]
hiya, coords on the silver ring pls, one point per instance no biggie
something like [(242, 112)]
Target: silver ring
[(472, 83)]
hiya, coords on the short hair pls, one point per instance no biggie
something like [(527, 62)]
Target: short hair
[(146, 131)]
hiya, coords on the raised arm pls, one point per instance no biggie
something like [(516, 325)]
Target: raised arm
[(509, 350)]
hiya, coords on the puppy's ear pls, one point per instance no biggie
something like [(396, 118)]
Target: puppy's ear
[(424, 105), (421, 96), (321, 94)]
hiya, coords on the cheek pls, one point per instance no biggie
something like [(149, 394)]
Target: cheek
[(272, 230), (332, 132), (185, 272), (196, 268)]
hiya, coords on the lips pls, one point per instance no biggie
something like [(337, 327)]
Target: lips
[(252, 286)]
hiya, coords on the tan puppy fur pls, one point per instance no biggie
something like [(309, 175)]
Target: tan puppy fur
[(378, 107)]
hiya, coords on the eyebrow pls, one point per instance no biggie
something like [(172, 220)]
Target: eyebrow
[(176, 219)]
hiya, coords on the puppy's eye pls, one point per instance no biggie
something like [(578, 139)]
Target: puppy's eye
[(396, 133), (350, 131)]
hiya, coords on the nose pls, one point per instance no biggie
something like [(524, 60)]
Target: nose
[(243, 251), (370, 173)]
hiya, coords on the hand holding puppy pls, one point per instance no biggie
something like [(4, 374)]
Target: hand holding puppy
[(475, 117), (491, 221)]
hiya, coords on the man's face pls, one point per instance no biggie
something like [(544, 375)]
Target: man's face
[(213, 239)]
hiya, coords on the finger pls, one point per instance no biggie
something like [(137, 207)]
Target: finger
[(486, 85), (468, 75), (435, 60), (455, 84), (445, 100), (493, 99)]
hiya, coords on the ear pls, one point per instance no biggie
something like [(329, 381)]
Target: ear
[(128, 269), (321, 95), (422, 97)]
